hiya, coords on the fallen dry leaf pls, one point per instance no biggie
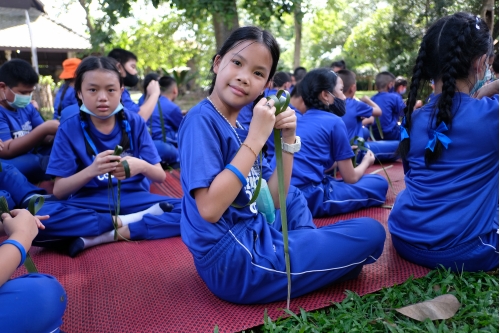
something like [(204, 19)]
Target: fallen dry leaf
[(441, 307)]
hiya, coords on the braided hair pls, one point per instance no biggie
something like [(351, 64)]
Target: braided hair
[(447, 52), (99, 63), (316, 81)]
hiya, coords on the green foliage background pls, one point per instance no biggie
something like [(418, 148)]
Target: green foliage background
[(369, 35)]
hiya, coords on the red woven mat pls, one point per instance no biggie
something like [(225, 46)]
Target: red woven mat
[(152, 286)]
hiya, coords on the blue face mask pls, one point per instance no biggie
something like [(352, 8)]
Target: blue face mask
[(86, 110), (480, 83), (20, 101)]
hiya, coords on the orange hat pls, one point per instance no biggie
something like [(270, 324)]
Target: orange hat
[(69, 68)]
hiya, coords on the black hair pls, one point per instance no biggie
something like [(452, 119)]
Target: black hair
[(447, 52), (299, 73), (400, 81), (296, 91), (348, 77), (383, 79), (107, 64), (316, 81), (147, 80), (280, 78), (495, 64), (339, 63), (166, 82), (121, 55), (241, 35), (17, 71)]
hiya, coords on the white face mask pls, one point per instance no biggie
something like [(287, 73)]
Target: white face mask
[(20, 101)]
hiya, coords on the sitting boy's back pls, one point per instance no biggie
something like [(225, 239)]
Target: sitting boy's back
[(392, 106)]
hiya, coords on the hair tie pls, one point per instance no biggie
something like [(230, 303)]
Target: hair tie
[(477, 23), (437, 134)]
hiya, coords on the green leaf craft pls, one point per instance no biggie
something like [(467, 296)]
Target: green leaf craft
[(281, 102), (111, 192)]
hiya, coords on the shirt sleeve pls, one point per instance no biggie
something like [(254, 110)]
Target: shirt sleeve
[(400, 106), (36, 118), (339, 145), (200, 151), (128, 103), (5, 131), (363, 110), (175, 118), (62, 162)]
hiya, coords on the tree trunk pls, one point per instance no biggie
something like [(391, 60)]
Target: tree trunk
[(297, 17), (224, 24), (488, 13), (85, 5)]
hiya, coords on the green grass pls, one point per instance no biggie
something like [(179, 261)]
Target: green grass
[(477, 292), (369, 93)]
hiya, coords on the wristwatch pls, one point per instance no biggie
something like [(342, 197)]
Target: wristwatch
[(291, 148)]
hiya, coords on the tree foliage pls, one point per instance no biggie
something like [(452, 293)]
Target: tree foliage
[(159, 45)]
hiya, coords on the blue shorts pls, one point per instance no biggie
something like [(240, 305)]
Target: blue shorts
[(478, 254), (32, 303), (89, 215), (247, 265), (167, 151), (334, 196)]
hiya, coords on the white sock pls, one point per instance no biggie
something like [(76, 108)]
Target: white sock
[(106, 237), (136, 217)]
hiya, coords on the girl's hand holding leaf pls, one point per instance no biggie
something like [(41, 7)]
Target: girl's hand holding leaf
[(136, 166), (369, 158), (21, 226), (263, 121), (286, 121), (39, 219), (104, 162)]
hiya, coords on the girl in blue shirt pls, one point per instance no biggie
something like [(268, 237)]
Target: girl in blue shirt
[(66, 94), (448, 213), (82, 158), (238, 254), (325, 141)]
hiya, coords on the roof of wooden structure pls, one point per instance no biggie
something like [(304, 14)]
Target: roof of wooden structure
[(48, 35)]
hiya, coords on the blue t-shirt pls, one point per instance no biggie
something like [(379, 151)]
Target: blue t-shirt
[(69, 111), (354, 111), (69, 155), (392, 107), (18, 123), (128, 103), (141, 100), (454, 199), (324, 141), (245, 115), (205, 136), (172, 116), (68, 99)]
